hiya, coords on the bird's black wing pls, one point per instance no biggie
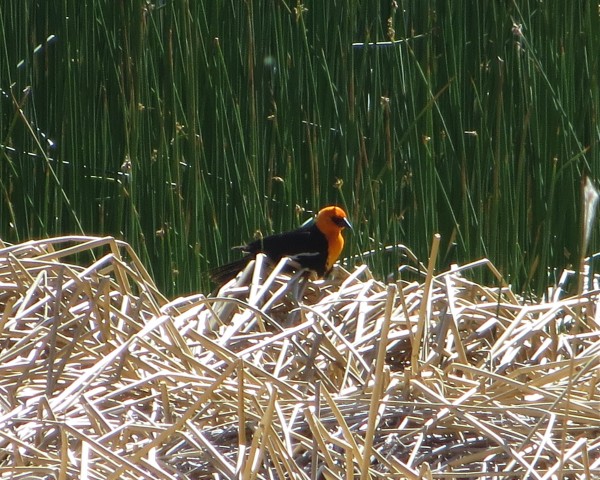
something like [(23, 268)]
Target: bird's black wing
[(306, 245)]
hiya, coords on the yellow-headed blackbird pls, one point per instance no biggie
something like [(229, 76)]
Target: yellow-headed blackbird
[(316, 245)]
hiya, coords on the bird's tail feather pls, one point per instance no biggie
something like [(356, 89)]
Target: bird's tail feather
[(224, 273)]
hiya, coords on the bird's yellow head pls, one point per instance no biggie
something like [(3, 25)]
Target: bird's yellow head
[(332, 220)]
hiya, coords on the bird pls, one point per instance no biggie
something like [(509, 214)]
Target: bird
[(316, 246)]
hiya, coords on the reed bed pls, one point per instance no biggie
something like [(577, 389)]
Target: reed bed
[(282, 376)]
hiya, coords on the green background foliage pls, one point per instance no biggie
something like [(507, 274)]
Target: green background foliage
[(183, 127)]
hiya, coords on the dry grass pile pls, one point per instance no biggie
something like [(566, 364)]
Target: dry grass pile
[(103, 378)]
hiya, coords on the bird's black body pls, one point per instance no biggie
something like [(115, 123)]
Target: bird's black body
[(316, 245), (306, 245)]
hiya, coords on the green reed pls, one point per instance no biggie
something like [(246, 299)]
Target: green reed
[(185, 127)]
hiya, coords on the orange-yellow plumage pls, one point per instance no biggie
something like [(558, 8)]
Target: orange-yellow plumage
[(331, 221)]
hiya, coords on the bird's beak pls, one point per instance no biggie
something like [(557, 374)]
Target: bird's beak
[(343, 223)]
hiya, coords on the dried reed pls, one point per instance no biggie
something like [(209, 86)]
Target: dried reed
[(286, 377)]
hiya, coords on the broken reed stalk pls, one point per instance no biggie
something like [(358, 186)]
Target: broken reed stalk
[(423, 324), (378, 381)]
